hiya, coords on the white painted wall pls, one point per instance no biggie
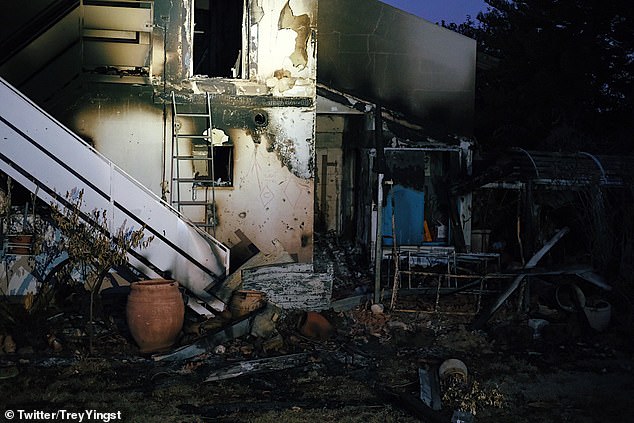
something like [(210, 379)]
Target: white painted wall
[(127, 130), (275, 48), (268, 201)]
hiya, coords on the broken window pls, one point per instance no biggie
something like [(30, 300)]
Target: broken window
[(213, 165), (218, 37)]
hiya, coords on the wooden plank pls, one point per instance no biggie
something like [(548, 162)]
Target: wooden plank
[(279, 255), (292, 285), (208, 342), (272, 364), (430, 388)]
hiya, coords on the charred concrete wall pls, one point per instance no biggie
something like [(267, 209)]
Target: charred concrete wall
[(392, 58), (271, 195), (174, 32), (123, 123)]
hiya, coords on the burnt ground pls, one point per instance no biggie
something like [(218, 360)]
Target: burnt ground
[(367, 370)]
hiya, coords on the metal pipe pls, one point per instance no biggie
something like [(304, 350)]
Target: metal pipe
[(378, 244)]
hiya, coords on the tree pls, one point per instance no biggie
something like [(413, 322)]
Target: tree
[(92, 246), (563, 80)]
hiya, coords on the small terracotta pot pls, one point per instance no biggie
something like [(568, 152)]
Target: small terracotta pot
[(155, 312), (314, 325)]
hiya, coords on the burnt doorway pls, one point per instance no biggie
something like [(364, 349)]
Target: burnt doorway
[(218, 37)]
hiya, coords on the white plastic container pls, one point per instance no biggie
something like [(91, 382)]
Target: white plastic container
[(599, 315)]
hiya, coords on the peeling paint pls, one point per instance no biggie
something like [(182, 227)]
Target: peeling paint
[(301, 25), (287, 137), (257, 12)]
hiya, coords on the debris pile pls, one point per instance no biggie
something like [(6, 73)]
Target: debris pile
[(351, 270), (468, 395), (394, 361), (7, 344), (364, 323)]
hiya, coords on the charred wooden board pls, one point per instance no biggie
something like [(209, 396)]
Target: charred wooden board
[(291, 286)]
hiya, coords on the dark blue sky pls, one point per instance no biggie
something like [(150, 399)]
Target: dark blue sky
[(437, 10)]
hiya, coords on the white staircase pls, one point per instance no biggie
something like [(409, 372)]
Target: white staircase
[(48, 159)]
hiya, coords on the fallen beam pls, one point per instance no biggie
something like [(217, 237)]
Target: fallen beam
[(207, 343), (261, 365), (484, 317), (225, 290)]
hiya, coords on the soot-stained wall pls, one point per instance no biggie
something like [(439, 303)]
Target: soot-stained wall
[(271, 197), (384, 55)]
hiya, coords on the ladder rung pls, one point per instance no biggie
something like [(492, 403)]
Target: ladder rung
[(192, 158), (204, 225), (193, 136), (192, 203), (208, 182), (205, 115), (188, 180), (176, 157)]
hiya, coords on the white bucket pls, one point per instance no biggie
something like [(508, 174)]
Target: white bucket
[(453, 366), (598, 315)]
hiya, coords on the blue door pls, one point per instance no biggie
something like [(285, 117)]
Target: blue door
[(409, 216)]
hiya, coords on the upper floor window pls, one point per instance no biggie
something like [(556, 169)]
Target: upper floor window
[(218, 37)]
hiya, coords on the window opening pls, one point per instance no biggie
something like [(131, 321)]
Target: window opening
[(218, 37), (221, 160)]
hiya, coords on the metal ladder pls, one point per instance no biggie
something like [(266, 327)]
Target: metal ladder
[(210, 221)]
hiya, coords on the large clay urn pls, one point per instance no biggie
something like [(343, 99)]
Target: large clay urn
[(155, 313)]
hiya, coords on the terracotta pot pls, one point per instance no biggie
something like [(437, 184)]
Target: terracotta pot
[(314, 325), (155, 312)]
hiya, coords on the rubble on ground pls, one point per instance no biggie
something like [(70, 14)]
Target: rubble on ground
[(357, 364)]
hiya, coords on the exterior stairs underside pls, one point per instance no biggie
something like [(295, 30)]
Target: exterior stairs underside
[(49, 160)]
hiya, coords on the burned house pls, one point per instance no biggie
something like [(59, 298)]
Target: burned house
[(394, 130), (206, 106), (208, 127), (222, 119)]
